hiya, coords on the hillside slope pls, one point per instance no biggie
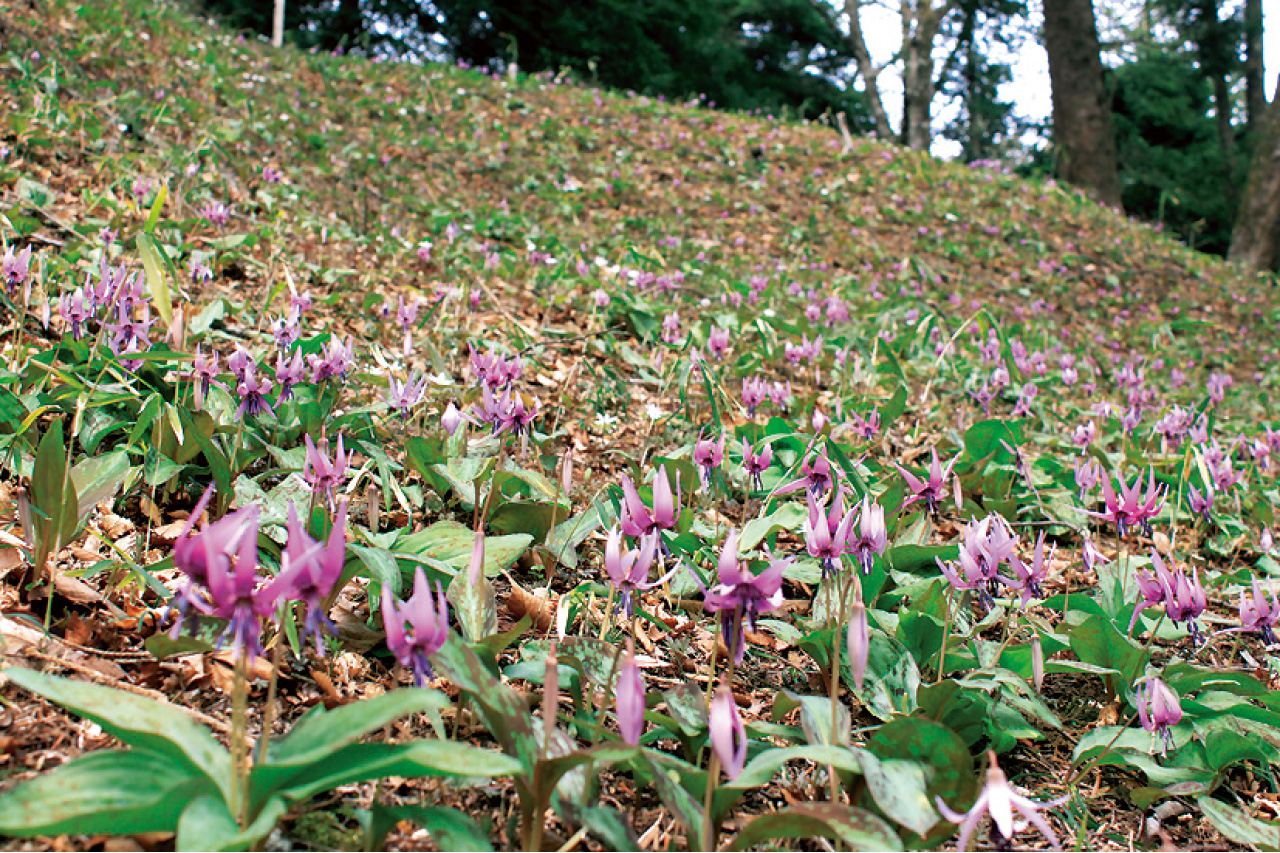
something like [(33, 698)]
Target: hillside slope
[(659, 276)]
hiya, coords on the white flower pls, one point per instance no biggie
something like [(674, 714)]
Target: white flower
[(654, 411)]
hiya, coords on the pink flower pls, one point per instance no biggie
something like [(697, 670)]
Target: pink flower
[(629, 697), (741, 596), (428, 621), (1158, 710), (728, 735), (1000, 800)]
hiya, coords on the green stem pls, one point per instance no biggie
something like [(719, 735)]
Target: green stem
[(708, 821), (239, 805)]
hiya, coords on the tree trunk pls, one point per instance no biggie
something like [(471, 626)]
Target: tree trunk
[(1255, 241), (920, 22), (1081, 114), (867, 70), (1255, 91), (277, 24)]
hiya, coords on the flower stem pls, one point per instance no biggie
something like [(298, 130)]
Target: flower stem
[(708, 822), (239, 805)]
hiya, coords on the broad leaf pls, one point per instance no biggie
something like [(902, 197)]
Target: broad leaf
[(853, 827)]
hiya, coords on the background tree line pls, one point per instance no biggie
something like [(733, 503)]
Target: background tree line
[(1175, 127)]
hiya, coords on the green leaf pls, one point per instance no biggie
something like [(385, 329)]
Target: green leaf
[(136, 720), (98, 478), (112, 791), (1238, 826), (450, 542), (379, 564), (320, 733), (855, 828), (207, 824), (150, 251), (505, 713), (932, 745), (450, 829), (789, 516), (532, 517), (1096, 641), (475, 605), (53, 495), (679, 801), (360, 762), (564, 539)]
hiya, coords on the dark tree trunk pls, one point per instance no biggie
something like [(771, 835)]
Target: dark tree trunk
[(919, 29), (1081, 114), (1255, 241), (1255, 91), (867, 70)]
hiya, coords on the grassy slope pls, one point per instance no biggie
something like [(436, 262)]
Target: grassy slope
[(378, 158)]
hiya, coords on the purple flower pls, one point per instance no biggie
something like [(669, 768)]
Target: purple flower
[(708, 455), (718, 342), (76, 311), (289, 372), (629, 697), (286, 330), (780, 395), (754, 390), (815, 477), (204, 373), (428, 621), (858, 641), (309, 569), (405, 395), (1000, 800), (1201, 504), (629, 570), (1183, 598), (320, 472), (756, 464), (338, 358), (1257, 614), (873, 538), (826, 531), (216, 213), (741, 596), (1158, 710), (222, 561), (14, 269), (987, 544), (493, 370), (933, 490), (636, 519), (1133, 507), (253, 393), (451, 419), (728, 735), (1027, 580)]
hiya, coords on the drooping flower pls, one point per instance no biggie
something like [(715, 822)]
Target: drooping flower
[(933, 490), (427, 618), (755, 464), (718, 341), (1134, 507), (873, 537), (76, 311), (309, 569), (754, 391), (629, 697), (1000, 800), (1158, 710), (628, 570), (1258, 614), (1027, 579), (221, 564), (289, 372), (826, 531), (321, 472), (253, 391), (728, 734), (405, 395), (815, 477), (635, 517), (14, 268), (987, 544), (740, 596), (708, 455)]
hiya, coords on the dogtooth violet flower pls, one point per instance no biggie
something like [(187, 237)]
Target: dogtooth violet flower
[(815, 477), (636, 518), (1027, 579), (1158, 711), (309, 569), (728, 734), (708, 455), (1000, 800), (1257, 614), (1133, 507), (427, 618), (741, 596), (858, 641), (987, 544), (755, 464), (629, 697), (826, 531), (221, 562), (873, 537), (322, 473), (628, 570), (1183, 598), (932, 490)]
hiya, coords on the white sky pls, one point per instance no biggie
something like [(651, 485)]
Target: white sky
[(1029, 90)]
